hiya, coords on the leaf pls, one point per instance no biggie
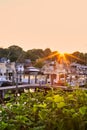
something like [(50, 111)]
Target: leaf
[(83, 110), (70, 97), (61, 105), (42, 115), (9, 104), (35, 108), (49, 98), (21, 118), (72, 110), (58, 98), (42, 105), (75, 115), (3, 125)]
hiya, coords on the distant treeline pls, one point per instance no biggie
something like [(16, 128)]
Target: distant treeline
[(17, 54)]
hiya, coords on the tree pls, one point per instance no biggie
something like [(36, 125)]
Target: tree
[(85, 58), (4, 52), (34, 54), (47, 52), (15, 53)]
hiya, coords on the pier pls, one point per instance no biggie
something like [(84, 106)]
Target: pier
[(32, 86), (20, 88)]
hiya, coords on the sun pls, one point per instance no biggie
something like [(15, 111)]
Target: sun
[(61, 54), (62, 58)]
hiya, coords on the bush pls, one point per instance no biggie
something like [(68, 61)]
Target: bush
[(53, 110)]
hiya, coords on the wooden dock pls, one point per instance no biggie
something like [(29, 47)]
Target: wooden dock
[(30, 86), (20, 88)]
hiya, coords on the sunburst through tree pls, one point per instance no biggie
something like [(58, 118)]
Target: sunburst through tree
[(62, 58)]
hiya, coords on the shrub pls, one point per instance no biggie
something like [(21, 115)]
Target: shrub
[(53, 110)]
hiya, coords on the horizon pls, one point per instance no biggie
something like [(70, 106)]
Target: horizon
[(58, 25)]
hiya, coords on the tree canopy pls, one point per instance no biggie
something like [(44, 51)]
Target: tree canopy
[(17, 54)]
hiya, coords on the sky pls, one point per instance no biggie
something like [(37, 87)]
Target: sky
[(60, 25)]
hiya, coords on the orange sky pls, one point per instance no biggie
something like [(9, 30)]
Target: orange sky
[(58, 24)]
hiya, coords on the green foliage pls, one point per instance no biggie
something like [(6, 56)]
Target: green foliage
[(4, 52), (15, 53), (55, 110), (34, 54)]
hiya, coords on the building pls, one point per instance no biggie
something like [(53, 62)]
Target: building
[(7, 70)]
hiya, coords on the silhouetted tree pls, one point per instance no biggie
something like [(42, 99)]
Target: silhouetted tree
[(15, 53)]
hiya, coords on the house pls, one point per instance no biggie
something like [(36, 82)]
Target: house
[(53, 70), (20, 67), (7, 69)]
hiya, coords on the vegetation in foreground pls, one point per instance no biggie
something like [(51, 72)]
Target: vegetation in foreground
[(52, 110)]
